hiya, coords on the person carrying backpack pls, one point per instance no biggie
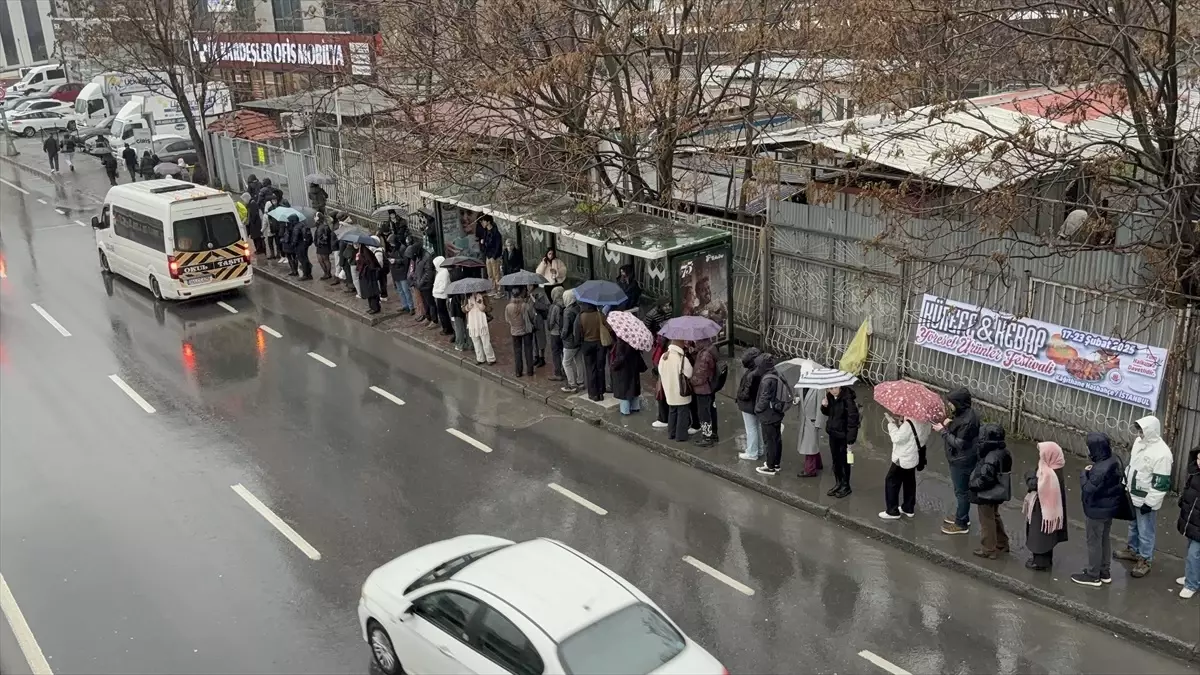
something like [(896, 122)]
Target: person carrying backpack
[(774, 399), (705, 385), (841, 413)]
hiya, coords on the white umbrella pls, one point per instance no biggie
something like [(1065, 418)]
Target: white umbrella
[(824, 378), (792, 369)]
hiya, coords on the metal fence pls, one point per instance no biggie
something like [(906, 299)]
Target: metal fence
[(360, 183)]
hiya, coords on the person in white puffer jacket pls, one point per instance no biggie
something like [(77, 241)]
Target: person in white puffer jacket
[(1148, 478), (908, 457)]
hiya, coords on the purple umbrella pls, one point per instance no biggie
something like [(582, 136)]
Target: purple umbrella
[(690, 328)]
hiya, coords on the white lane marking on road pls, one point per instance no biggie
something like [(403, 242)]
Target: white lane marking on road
[(20, 628), (18, 188), (883, 663), (388, 395), (577, 499), (131, 393), (322, 359), (81, 223), (227, 307), (719, 576), (467, 439), (60, 212), (284, 529), (46, 315), (270, 331), (41, 201)]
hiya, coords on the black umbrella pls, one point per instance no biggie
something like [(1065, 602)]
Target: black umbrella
[(523, 278), (462, 261), (356, 238)]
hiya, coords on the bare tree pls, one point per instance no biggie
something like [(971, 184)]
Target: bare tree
[(157, 41), (1101, 149)]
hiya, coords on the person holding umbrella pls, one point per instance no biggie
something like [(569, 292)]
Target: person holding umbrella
[(477, 327), (520, 317), (323, 241), (368, 277), (911, 408), (630, 338), (572, 339), (398, 259), (317, 197), (675, 372), (705, 396), (554, 325), (591, 325), (841, 424)]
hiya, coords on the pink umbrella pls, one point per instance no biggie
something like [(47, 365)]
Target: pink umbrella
[(910, 399), (631, 329)]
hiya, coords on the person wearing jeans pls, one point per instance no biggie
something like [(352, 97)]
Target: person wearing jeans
[(627, 367), (747, 394), (554, 323), (769, 406), (1189, 526), (960, 433), (1102, 495), (519, 315), (572, 339), (1148, 478)]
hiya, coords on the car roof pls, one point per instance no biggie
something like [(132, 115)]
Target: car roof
[(557, 588), (144, 190)]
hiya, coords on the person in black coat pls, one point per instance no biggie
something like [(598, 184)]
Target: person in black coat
[(959, 435), (841, 410), (302, 239), (421, 276), (746, 396), (627, 368), (988, 489), (629, 283), (346, 254), (287, 243), (1045, 507), (511, 260), (1189, 526), (252, 184), (146, 168), (131, 161), (368, 277), (110, 166), (323, 240), (317, 197), (398, 244), (1102, 494)]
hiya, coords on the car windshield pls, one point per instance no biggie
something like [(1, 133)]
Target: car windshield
[(205, 233), (449, 568), (636, 639)]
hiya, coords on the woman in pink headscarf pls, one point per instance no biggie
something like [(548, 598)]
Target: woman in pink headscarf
[(1045, 518)]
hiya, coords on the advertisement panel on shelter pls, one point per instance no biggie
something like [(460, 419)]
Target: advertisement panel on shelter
[(1125, 371), (704, 286)]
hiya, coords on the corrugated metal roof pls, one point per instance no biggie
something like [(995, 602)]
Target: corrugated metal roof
[(966, 144)]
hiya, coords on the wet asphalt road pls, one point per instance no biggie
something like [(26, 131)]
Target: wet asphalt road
[(128, 551)]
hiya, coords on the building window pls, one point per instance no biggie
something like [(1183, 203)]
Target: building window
[(33, 29), (343, 16), (6, 37), (288, 17)]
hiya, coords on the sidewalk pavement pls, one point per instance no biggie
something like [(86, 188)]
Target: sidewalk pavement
[(1148, 610)]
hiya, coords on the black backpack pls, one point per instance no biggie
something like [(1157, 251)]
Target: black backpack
[(782, 402), (719, 375)]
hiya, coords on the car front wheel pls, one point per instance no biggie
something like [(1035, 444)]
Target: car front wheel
[(29, 132), (382, 650)]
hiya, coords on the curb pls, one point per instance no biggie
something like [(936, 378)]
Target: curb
[(262, 272), (1155, 639), (46, 175)]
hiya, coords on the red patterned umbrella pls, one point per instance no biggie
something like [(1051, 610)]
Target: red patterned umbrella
[(910, 399), (631, 329)]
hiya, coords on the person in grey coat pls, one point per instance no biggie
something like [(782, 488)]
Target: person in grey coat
[(811, 424), (554, 323), (541, 310), (572, 339)]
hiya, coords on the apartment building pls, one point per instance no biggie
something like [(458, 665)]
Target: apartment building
[(26, 33)]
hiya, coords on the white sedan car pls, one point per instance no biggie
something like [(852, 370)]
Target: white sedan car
[(39, 104), (29, 123), (480, 604)]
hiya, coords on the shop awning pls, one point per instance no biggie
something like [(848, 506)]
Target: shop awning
[(633, 233)]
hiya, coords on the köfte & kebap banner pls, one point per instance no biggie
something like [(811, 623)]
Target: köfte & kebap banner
[(1106, 366)]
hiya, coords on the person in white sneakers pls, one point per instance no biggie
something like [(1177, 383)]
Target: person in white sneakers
[(1148, 478), (908, 457), (1189, 526)]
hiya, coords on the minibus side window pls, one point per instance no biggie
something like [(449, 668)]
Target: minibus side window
[(138, 228)]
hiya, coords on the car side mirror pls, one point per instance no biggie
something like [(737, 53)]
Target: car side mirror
[(97, 224)]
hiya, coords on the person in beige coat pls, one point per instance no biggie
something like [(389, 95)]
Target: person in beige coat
[(553, 269), (674, 369)]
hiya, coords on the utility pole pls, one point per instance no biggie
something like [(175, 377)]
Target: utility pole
[(10, 148)]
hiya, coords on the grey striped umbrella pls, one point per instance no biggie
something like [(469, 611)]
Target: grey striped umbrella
[(824, 378)]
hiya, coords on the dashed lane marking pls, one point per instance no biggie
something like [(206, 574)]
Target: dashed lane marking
[(20, 628), (49, 319), (284, 529), (270, 331), (322, 359), (42, 201), (131, 393), (60, 212), (81, 223), (18, 188), (388, 395), (719, 576), (883, 663), (467, 439), (577, 499), (227, 307)]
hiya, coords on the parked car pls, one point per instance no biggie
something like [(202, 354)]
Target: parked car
[(38, 105), (173, 150), (481, 604), (101, 128), (30, 122), (67, 91)]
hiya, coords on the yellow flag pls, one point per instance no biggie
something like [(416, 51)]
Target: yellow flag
[(857, 351)]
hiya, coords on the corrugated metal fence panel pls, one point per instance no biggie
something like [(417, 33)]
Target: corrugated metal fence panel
[(1187, 436)]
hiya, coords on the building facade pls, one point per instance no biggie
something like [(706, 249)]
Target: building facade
[(26, 33)]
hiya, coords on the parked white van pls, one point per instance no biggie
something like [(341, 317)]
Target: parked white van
[(38, 79), (178, 239)]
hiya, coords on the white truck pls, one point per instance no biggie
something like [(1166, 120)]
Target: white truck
[(106, 93), (149, 116)]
